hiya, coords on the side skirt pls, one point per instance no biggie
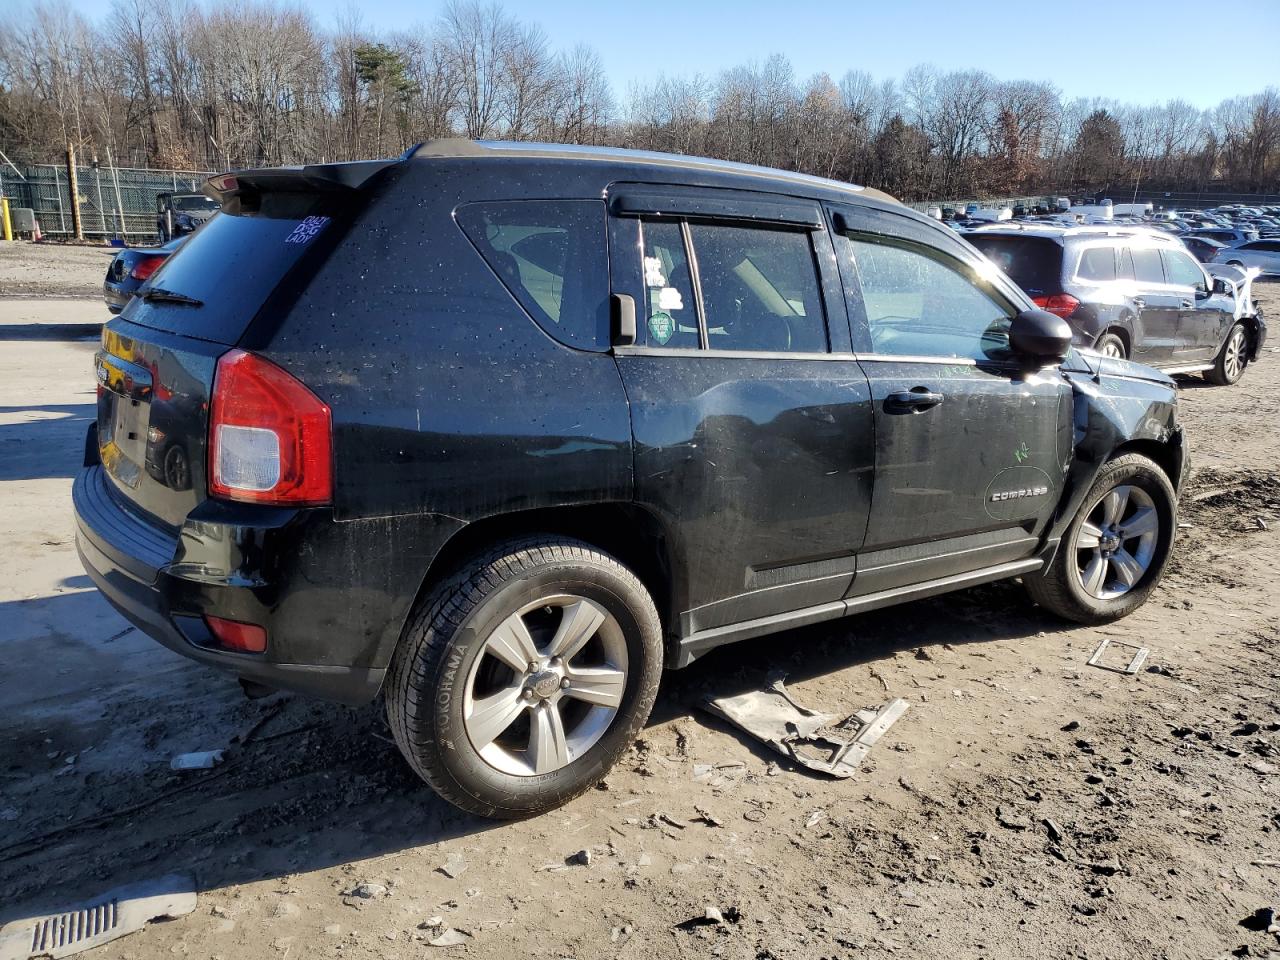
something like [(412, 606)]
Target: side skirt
[(690, 648)]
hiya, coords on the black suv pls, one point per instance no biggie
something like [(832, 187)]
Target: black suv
[(178, 214), (1130, 293), (499, 430)]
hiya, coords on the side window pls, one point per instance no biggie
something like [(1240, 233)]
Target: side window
[(1124, 268), (1146, 265), (1098, 264), (552, 256), (1182, 270), (927, 305), (759, 289), (670, 312)]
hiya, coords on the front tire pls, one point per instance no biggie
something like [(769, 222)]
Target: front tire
[(520, 681), (1115, 550), (1228, 366)]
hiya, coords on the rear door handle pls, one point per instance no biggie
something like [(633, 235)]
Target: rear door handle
[(915, 400)]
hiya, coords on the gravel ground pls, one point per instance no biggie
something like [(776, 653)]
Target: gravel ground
[(53, 269), (1026, 806)]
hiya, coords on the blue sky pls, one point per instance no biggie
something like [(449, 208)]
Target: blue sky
[(1136, 50)]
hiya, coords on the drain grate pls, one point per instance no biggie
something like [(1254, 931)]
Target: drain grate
[(68, 929)]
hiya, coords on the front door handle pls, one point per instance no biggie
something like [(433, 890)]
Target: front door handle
[(1187, 304), (915, 400), (1139, 303)]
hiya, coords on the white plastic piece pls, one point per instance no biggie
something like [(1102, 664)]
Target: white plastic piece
[(114, 915), (204, 760)]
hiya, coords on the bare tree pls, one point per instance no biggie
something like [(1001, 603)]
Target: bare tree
[(224, 83)]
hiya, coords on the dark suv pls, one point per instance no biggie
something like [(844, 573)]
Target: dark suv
[(499, 430), (178, 214), (1130, 293)]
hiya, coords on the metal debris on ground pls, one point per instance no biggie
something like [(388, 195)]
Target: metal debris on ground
[(819, 741), (114, 915), (203, 760), (1133, 666)]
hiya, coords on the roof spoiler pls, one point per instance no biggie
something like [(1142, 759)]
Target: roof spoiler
[(312, 178)]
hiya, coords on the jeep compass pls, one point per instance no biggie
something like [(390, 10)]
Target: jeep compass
[(496, 432)]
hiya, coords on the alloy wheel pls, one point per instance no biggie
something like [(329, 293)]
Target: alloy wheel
[(547, 686), (1116, 543), (1113, 349), (1233, 358)]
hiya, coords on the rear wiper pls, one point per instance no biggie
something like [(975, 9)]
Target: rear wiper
[(169, 296)]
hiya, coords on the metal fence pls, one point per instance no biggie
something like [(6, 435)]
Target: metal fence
[(114, 201)]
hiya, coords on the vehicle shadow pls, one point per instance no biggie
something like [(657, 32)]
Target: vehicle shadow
[(48, 446), (307, 786)]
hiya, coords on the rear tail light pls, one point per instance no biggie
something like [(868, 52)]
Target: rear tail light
[(1060, 304), (146, 267), (234, 635), (269, 436)]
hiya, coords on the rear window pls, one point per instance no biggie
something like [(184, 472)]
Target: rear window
[(552, 256), (232, 264), (194, 203), (1033, 263)]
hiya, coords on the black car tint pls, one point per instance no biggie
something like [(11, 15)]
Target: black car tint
[(551, 255), (1033, 263), (671, 312), (233, 263), (759, 289)]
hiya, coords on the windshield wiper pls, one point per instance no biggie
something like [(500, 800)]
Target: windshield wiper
[(169, 296)]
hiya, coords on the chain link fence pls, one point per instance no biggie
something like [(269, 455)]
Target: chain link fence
[(121, 201), (114, 201)]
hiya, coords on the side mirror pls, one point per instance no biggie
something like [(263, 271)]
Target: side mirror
[(1221, 286), (1040, 335)]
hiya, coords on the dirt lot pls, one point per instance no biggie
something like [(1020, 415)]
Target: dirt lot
[(53, 269), (1163, 788)]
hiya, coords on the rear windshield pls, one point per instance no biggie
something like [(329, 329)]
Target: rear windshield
[(232, 264), (1033, 263), (190, 203)]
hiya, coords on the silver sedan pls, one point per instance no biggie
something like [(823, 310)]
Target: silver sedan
[(1263, 254)]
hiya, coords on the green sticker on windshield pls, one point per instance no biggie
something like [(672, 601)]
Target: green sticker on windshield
[(661, 327)]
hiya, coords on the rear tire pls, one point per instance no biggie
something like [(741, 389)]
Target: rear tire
[(501, 739), (1110, 345), (1229, 364), (1114, 552)]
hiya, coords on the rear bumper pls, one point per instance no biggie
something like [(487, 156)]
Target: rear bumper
[(132, 563), (117, 296)]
